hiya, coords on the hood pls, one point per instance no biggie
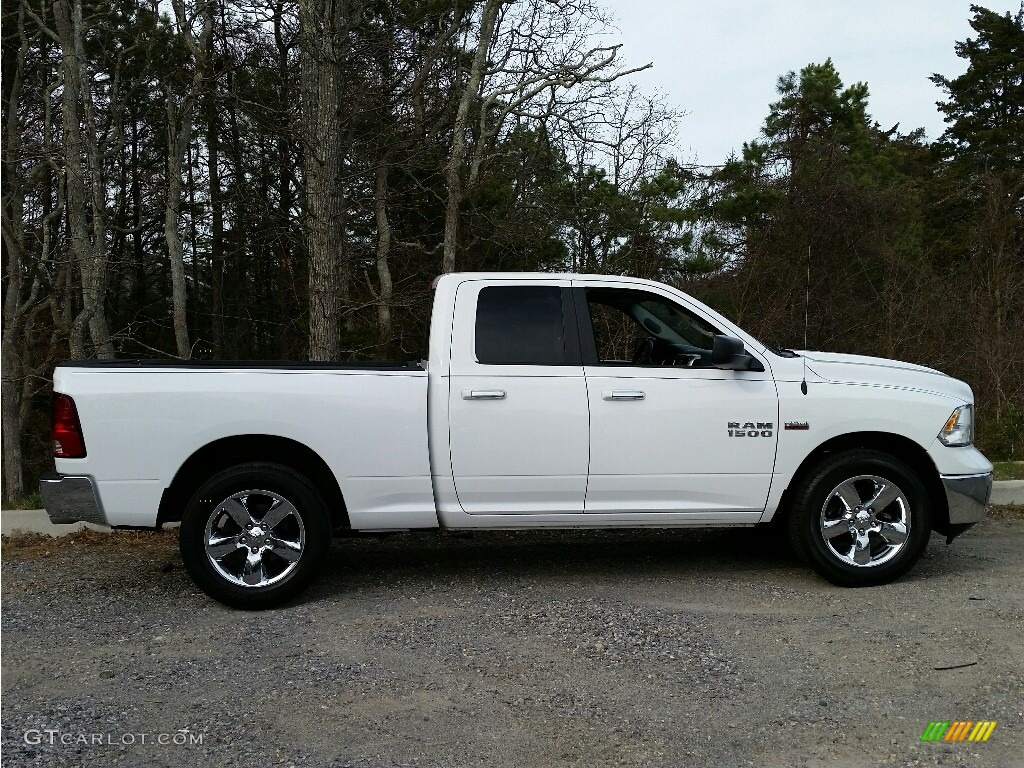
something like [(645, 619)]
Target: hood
[(878, 371)]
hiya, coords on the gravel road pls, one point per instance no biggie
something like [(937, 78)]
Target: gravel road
[(634, 648)]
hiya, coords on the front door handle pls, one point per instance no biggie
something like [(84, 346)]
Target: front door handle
[(624, 394), (483, 394)]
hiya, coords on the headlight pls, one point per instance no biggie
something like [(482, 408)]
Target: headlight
[(959, 427)]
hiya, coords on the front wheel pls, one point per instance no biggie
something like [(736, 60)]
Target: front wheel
[(860, 518), (255, 535)]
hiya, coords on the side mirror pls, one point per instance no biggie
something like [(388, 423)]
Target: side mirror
[(728, 354)]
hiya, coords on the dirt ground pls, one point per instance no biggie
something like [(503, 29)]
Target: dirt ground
[(633, 648)]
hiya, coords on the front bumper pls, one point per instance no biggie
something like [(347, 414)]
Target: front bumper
[(70, 499), (967, 498)]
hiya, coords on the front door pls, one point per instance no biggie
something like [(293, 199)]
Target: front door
[(517, 400), (668, 431)]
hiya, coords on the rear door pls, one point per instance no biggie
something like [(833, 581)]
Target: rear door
[(518, 410)]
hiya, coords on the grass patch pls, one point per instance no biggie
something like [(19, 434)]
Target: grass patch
[(32, 546), (1007, 512), (27, 501), (1009, 470)]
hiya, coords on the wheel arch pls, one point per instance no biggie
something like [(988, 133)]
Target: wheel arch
[(237, 449), (902, 448)]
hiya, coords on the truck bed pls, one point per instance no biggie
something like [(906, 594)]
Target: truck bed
[(144, 419)]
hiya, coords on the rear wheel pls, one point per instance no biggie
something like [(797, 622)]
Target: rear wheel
[(861, 518), (255, 535)]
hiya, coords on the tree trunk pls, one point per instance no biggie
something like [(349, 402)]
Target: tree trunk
[(175, 251), (14, 481), (14, 242), (179, 136), (11, 371), (453, 169), (285, 261), (89, 255), (237, 275), (386, 293), (323, 30), (216, 220), (97, 284)]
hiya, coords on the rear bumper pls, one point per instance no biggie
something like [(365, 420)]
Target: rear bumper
[(70, 499), (967, 498)]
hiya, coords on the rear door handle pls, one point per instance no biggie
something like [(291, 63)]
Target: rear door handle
[(624, 394), (483, 394)]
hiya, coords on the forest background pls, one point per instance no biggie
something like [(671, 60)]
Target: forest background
[(283, 179)]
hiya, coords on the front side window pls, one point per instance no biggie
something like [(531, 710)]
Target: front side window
[(520, 325), (638, 328)]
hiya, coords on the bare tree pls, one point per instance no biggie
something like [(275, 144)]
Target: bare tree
[(470, 93), (86, 203), (403, 58), (180, 118), (324, 30), (622, 139), (15, 306), (533, 60), (28, 239)]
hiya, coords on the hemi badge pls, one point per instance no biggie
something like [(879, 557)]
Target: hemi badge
[(797, 425)]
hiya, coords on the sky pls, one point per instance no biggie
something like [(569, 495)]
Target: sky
[(719, 60)]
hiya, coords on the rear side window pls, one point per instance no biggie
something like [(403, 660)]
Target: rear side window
[(520, 325)]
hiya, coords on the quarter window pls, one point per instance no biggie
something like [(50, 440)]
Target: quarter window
[(520, 325)]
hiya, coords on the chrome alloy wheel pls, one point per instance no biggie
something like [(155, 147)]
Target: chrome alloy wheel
[(865, 520), (255, 538)]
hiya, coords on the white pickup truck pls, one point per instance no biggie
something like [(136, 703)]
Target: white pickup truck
[(548, 401)]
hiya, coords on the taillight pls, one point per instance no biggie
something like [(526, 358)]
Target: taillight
[(68, 442)]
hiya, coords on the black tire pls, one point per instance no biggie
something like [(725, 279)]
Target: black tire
[(859, 546), (285, 558)]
